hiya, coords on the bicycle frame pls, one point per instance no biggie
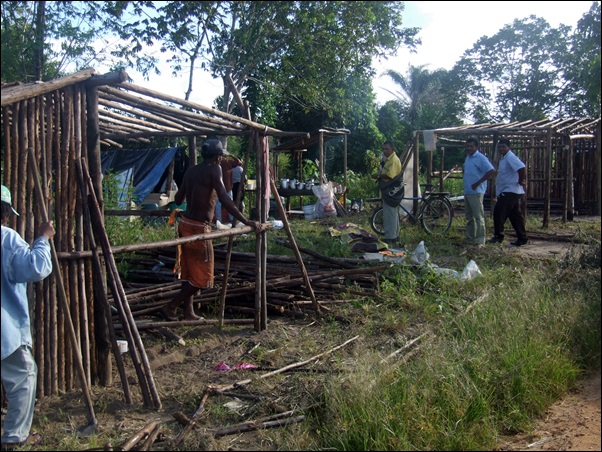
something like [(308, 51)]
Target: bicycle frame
[(434, 213)]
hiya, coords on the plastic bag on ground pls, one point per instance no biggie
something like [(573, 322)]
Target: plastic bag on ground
[(325, 204), (421, 255), (471, 271)]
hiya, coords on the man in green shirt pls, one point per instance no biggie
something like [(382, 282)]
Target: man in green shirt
[(390, 169)]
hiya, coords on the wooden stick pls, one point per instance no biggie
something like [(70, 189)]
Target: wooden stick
[(193, 421), (293, 245), (171, 335), (63, 298), (136, 342), (130, 443), (150, 439), (282, 369), (98, 269), (255, 425)]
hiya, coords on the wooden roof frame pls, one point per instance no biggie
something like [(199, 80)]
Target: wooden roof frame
[(317, 137), (545, 131)]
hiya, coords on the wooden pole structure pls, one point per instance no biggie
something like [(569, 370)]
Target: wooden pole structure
[(222, 301), (548, 179), (308, 289), (415, 170), (92, 422), (98, 270), (136, 347)]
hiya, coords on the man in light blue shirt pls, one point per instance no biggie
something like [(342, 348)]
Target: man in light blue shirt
[(510, 184), (477, 170), (20, 264)]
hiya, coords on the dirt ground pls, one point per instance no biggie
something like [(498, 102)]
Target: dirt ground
[(182, 374), (572, 423)]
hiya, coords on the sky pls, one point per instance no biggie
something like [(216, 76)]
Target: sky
[(447, 30)]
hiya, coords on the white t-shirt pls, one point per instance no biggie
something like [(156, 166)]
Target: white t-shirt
[(506, 180), (236, 174)]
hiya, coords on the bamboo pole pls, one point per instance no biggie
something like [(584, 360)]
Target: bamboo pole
[(136, 345), (97, 266), (222, 303), (294, 247), (63, 299)]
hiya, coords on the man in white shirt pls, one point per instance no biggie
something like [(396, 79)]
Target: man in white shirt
[(510, 184)]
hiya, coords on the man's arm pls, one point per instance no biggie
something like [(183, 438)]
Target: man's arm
[(522, 177), (181, 193), (488, 175)]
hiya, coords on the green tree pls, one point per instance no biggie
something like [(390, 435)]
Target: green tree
[(427, 99), (52, 39), (583, 66), (515, 75)]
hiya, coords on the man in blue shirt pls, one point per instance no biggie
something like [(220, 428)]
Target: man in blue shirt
[(477, 170), (510, 184), (21, 264)]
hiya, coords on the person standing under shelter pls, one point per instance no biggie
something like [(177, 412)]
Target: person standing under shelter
[(21, 264), (390, 171), (510, 184), (201, 187), (228, 163), (238, 185), (477, 170)]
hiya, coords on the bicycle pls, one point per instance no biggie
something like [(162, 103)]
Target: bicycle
[(435, 212)]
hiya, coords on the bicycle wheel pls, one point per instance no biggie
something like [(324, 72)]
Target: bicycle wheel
[(377, 221), (435, 216)]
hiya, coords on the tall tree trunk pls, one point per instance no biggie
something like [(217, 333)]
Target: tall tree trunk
[(38, 59)]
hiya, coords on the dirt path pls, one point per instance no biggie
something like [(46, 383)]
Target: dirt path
[(572, 423)]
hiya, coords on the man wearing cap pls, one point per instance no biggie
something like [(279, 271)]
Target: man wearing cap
[(201, 187), (21, 264)]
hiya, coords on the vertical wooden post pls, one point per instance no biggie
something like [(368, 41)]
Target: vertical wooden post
[(345, 170), (441, 166), (321, 143), (192, 151), (416, 168), (548, 178), (101, 330)]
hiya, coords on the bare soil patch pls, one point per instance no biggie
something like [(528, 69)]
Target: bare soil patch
[(572, 423)]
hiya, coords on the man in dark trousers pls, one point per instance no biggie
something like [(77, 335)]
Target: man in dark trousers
[(510, 184)]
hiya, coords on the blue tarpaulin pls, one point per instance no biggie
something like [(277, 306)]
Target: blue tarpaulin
[(146, 166)]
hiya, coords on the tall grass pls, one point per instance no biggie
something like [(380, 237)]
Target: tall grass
[(489, 371)]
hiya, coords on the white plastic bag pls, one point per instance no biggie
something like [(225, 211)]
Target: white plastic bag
[(471, 271), (325, 204), (421, 255)]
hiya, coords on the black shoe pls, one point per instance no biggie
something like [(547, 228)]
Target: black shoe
[(520, 242), (495, 239)]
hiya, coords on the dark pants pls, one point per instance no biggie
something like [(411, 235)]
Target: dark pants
[(508, 207)]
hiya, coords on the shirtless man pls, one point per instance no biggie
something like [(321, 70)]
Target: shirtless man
[(201, 187)]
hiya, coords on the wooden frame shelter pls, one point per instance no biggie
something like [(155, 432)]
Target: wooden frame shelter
[(56, 129), (562, 158), (298, 145)]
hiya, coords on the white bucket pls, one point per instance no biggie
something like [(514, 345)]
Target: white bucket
[(309, 211), (123, 346)]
